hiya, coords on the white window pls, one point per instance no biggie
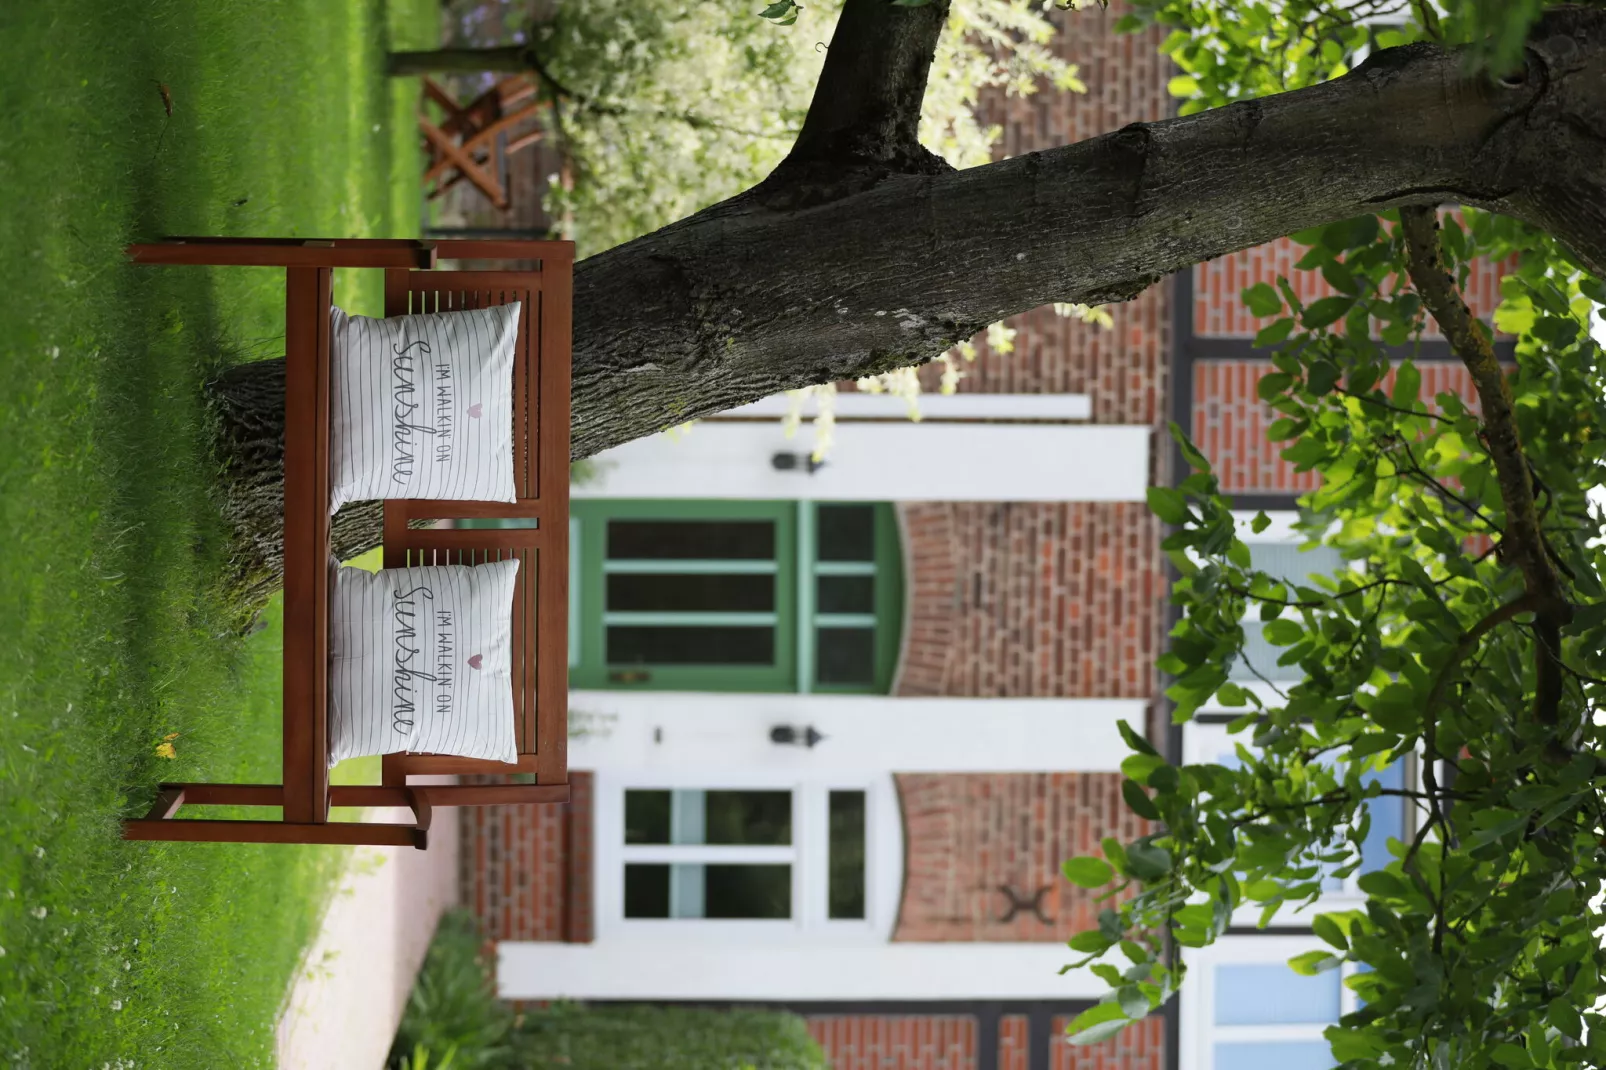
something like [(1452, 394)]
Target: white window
[(1243, 1008), (1277, 552), (754, 858), (1391, 817)]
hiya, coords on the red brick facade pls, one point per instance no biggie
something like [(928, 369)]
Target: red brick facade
[(1219, 312), (887, 1042), (1123, 369), (526, 870), (948, 1042), (1032, 599), (1137, 1047), (1014, 1043), (969, 836), (1230, 421)]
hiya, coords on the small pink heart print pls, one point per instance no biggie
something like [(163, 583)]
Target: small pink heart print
[(474, 662), (474, 410)]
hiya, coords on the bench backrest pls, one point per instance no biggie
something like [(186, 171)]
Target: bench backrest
[(541, 515)]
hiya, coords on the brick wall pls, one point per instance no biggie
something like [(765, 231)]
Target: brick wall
[(948, 1042), (965, 835), (1137, 1047), (526, 870), (1032, 599), (1014, 1043), (1123, 369), (1218, 285), (1230, 421), (897, 1042)]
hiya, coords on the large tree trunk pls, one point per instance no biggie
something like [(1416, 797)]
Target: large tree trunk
[(248, 400), (458, 61), (861, 254)]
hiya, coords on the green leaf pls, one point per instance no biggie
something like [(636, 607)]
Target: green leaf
[(779, 9), (1190, 452), (1510, 1055), (1407, 384), (1139, 802), (1182, 86), (1564, 1017), (1275, 333), (1312, 963), (1327, 930), (1351, 1044), (1283, 633), (1115, 852), (1325, 312), (1088, 872), (1322, 377), (1262, 300), (1091, 942), (1134, 1004), (1148, 863), (1340, 277), (1169, 505), (1099, 1022), (1135, 740), (1272, 384), (1285, 428), (1139, 766), (1260, 523)]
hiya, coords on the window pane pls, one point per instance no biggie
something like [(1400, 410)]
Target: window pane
[(701, 645), (1290, 564), (720, 592), (1273, 994), (845, 532), (845, 655), (646, 890), (1275, 1055), (1263, 656), (681, 540), (846, 898), (647, 816), (845, 594), (758, 891), (750, 818)]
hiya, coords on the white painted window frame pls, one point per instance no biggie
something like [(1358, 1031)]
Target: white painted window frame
[(1200, 1034), (808, 856)]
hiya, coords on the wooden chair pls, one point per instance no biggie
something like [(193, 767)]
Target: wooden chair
[(540, 541), (471, 142)]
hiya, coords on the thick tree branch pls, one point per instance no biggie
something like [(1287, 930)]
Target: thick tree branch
[(751, 297), (864, 120), (1523, 538)]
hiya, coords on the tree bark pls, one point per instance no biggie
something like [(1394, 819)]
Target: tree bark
[(248, 400), (458, 61), (860, 255)]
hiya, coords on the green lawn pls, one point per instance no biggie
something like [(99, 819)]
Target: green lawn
[(111, 635)]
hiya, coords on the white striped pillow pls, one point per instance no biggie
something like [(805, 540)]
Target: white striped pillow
[(423, 661), (422, 406)]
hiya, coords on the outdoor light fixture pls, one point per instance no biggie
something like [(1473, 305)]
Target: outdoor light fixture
[(790, 734), (791, 462)]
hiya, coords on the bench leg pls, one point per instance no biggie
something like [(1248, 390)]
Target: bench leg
[(162, 823)]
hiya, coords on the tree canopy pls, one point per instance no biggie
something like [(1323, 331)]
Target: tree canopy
[(1465, 633)]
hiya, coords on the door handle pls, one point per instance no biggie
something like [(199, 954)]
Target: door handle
[(629, 676)]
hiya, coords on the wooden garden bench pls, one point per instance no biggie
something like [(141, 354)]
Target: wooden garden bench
[(539, 540)]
